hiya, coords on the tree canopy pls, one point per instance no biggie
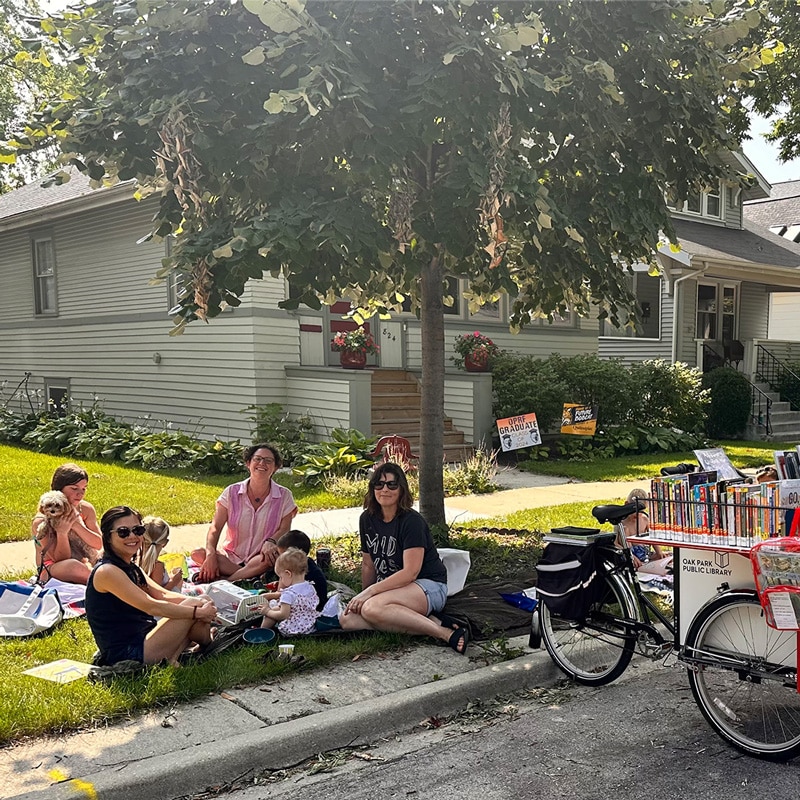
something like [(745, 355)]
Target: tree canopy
[(27, 78), (367, 149)]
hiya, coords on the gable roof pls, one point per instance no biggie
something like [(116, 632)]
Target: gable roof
[(780, 209), (36, 202), (754, 245)]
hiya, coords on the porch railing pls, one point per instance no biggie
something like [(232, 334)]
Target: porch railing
[(778, 376), (711, 359), (760, 409)]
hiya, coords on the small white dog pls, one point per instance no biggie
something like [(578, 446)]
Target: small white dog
[(55, 507)]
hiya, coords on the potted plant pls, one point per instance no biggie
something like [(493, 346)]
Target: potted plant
[(475, 352), (353, 347)]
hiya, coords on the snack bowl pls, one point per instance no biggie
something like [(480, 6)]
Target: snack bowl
[(259, 635)]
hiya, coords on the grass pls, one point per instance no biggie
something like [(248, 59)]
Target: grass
[(180, 497), (744, 455)]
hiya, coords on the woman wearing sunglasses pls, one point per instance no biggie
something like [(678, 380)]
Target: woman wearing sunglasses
[(404, 580), (122, 602)]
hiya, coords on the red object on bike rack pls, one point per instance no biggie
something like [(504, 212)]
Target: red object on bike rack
[(776, 568)]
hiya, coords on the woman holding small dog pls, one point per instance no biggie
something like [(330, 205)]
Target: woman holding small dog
[(67, 547), (122, 602)]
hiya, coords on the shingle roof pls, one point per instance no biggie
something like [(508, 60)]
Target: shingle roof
[(782, 208), (754, 245)]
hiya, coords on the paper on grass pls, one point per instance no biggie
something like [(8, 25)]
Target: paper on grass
[(62, 671)]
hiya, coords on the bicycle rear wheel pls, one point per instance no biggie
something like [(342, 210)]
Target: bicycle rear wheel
[(595, 651), (740, 674)]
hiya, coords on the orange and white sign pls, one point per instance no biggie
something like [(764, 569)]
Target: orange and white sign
[(517, 432)]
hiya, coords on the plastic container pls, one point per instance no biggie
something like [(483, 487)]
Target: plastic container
[(776, 569)]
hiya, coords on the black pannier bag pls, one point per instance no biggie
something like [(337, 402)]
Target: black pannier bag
[(567, 578)]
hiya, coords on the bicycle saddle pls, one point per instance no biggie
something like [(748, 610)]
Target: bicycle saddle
[(615, 514)]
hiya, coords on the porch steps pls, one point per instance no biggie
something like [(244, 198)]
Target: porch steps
[(785, 422), (396, 411)]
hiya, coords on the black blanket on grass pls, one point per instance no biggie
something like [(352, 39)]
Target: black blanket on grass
[(480, 605)]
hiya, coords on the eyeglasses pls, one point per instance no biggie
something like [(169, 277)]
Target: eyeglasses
[(124, 532), (388, 484), (262, 460)]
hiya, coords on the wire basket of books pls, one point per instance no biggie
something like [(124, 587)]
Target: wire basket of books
[(776, 568)]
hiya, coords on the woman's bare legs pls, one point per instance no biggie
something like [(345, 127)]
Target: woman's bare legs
[(70, 570), (400, 611), (171, 637)]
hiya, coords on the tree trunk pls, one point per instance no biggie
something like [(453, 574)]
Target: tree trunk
[(431, 488)]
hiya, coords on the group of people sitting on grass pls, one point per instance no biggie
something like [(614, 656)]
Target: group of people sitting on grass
[(137, 612)]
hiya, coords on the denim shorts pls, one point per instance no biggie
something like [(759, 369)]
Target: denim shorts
[(133, 651), (435, 593)]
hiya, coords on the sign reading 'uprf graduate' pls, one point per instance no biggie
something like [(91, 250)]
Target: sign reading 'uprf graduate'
[(516, 432), (578, 419)]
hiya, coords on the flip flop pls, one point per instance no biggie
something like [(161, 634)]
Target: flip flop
[(456, 637)]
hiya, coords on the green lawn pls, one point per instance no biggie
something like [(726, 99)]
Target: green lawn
[(178, 497), (744, 455)]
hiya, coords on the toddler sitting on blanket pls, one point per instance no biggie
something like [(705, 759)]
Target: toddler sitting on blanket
[(293, 608)]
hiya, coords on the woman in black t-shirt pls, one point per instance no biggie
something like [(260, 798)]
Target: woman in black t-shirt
[(404, 581)]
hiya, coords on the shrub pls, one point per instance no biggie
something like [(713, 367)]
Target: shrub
[(290, 433), (593, 381), (788, 386), (54, 433), (475, 476), (729, 409), (524, 384), (668, 395), (347, 453)]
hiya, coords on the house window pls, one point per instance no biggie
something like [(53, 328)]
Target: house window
[(488, 311), (44, 275), (647, 290), (176, 281), (716, 312), (702, 204), (57, 393)]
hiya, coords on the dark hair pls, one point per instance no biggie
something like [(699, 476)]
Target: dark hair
[(250, 451), (107, 523), (296, 539), (67, 475), (405, 500)]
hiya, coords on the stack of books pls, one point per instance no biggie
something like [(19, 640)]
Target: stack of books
[(787, 463)]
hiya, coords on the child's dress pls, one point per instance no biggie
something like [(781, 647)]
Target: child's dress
[(302, 597)]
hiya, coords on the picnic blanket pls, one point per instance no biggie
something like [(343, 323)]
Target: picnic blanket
[(481, 606)]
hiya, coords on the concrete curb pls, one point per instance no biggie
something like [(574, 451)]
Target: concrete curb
[(286, 744)]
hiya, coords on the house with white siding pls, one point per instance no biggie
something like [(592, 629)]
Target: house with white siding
[(780, 212), (81, 316), (711, 302)]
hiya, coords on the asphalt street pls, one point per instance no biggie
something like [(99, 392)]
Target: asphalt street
[(642, 738)]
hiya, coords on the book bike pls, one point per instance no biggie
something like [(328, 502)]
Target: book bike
[(736, 613)]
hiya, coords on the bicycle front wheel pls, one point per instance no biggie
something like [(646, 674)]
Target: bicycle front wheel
[(743, 676), (597, 650)]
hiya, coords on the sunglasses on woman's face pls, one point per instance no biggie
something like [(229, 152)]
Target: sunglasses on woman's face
[(124, 532), (392, 485)]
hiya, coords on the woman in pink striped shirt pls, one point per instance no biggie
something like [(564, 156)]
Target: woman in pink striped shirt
[(252, 514)]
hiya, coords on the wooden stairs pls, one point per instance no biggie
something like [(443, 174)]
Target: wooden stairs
[(396, 411)]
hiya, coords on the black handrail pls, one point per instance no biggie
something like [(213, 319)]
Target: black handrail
[(774, 372), (760, 408), (711, 359)]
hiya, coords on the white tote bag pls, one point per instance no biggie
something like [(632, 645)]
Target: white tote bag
[(27, 610)]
